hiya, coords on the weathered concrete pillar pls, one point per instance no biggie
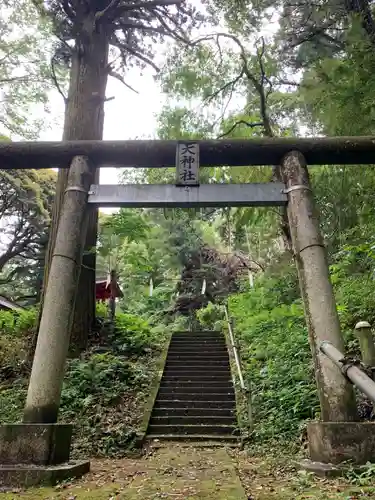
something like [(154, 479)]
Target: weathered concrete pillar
[(366, 342), (336, 395), (43, 398)]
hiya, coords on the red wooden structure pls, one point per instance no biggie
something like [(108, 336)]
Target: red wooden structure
[(104, 289)]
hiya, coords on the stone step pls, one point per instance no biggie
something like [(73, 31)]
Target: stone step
[(217, 374), (192, 429), (210, 370), (193, 412), (204, 384), (198, 354), (188, 404), (192, 358), (203, 335), (197, 389), (196, 399), (225, 439), (207, 364), (198, 332), (208, 346), (224, 375), (201, 396), (193, 377), (194, 420), (198, 341), (198, 371), (197, 362)]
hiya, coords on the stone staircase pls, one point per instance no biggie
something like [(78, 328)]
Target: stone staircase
[(196, 399)]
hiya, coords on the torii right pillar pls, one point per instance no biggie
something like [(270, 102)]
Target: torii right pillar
[(338, 436)]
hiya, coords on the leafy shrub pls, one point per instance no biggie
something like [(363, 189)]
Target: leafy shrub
[(356, 298), (18, 323), (96, 396), (16, 329), (101, 309), (133, 336), (274, 339), (104, 391), (211, 317), (100, 377), (276, 358), (12, 402), (353, 277)]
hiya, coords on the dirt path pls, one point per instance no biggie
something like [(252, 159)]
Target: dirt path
[(194, 473), (173, 473)]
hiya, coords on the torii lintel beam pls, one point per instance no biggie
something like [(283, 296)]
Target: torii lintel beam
[(205, 195), (158, 154)]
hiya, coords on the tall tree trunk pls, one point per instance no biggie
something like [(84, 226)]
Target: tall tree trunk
[(84, 119)]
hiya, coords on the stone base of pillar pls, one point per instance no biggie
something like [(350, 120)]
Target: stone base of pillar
[(32, 454), (337, 442), (322, 470)]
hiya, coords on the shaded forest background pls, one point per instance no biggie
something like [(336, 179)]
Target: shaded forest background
[(230, 69)]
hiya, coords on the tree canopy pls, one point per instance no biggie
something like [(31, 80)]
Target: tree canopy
[(25, 52), (26, 199)]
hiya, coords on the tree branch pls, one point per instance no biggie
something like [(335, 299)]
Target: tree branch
[(231, 84), (150, 4), (111, 6), (118, 77), (153, 29), (56, 83), (241, 122), (124, 46)]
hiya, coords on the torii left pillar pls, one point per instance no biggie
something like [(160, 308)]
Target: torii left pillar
[(40, 444)]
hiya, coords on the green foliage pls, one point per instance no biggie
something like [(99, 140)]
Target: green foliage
[(338, 92), (26, 198), (362, 476), (99, 377), (104, 391), (211, 317), (12, 402), (276, 358), (235, 85), (16, 330), (132, 335), (19, 323), (25, 52), (352, 273)]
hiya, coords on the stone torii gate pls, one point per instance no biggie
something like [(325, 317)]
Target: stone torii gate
[(40, 444)]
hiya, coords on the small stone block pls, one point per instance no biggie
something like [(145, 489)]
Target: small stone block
[(320, 469), (12, 476), (337, 442), (36, 444)]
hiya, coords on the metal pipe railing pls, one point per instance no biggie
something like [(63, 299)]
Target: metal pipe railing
[(235, 350), (246, 390), (350, 370)]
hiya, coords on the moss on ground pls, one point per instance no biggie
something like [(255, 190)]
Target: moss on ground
[(196, 473), (275, 475), (172, 472)]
